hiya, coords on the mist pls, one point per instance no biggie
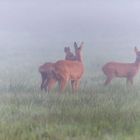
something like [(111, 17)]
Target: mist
[(37, 24), (33, 32)]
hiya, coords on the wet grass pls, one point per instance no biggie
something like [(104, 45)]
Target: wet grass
[(98, 113)]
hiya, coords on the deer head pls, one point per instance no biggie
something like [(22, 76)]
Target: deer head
[(67, 49), (78, 51)]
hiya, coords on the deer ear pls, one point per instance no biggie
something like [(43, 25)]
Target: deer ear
[(135, 49), (65, 49), (75, 45)]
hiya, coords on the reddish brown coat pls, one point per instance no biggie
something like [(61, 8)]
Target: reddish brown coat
[(126, 70), (65, 70)]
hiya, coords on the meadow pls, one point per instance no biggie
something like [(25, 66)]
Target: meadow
[(94, 113)]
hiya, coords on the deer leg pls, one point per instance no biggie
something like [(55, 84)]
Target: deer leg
[(45, 85), (62, 85), (72, 84), (77, 84), (42, 84), (41, 87), (51, 83), (130, 80), (108, 80), (44, 77)]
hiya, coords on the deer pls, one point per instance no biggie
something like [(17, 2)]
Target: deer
[(66, 70), (48, 78), (126, 70)]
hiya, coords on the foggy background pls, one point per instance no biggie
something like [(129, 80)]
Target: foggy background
[(48, 26), (33, 32), (33, 22)]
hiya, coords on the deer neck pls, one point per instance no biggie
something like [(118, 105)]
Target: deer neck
[(137, 63), (79, 58)]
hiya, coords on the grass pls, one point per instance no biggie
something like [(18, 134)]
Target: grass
[(103, 113), (94, 113)]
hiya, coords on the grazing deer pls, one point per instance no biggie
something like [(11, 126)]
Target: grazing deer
[(48, 78), (126, 70), (66, 70)]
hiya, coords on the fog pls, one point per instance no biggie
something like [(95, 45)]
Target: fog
[(44, 23)]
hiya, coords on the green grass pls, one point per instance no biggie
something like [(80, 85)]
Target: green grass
[(94, 113), (102, 113)]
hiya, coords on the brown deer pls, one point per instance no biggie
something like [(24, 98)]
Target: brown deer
[(66, 70), (126, 70), (48, 78)]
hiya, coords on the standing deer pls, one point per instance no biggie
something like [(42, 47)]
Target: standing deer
[(66, 70), (126, 70), (48, 78)]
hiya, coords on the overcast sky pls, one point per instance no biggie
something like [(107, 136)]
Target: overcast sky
[(48, 22)]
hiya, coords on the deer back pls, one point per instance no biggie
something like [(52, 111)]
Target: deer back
[(120, 69), (71, 70)]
